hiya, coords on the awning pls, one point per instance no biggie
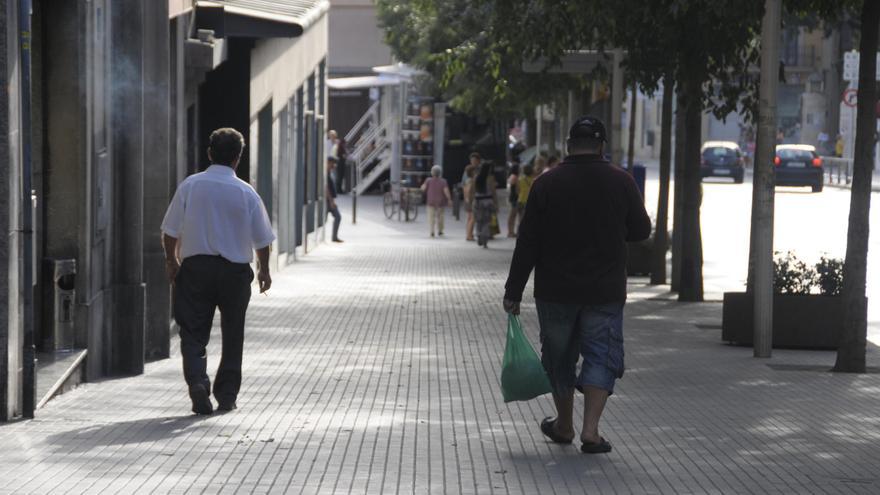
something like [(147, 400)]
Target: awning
[(258, 18), (364, 82)]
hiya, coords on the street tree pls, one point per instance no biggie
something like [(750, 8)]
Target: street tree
[(469, 63), (853, 341)]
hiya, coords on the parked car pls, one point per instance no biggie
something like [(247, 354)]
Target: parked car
[(798, 165), (722, 159)]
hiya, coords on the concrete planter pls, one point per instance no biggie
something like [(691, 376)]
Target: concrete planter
[(801, 321)]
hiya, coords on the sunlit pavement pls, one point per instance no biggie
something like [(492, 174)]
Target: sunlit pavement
[(809, 225), (372, 367)]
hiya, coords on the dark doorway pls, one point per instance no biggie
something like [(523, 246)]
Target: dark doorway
[(264, 157), (224, 101)]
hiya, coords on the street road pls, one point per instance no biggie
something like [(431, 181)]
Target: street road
[(810, 225)]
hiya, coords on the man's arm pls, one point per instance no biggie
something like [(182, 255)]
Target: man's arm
[(447, 194), (172, 265), (525, 255), (638, 223), (263, 276)]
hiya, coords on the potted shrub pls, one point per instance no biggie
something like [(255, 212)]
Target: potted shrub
[(807, 307)]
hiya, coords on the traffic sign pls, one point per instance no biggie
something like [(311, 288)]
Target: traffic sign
[(851, 66), (850, 97)]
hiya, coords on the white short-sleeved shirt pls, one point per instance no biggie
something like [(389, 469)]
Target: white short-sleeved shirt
[(216, 213)]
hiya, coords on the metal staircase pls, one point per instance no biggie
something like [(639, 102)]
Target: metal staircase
[(371, 154)]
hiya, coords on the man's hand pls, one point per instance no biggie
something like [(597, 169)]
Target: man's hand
[(171, 269), (264, 279), (511, 307)]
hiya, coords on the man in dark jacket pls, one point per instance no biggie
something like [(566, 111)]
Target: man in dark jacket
[(579, 217)]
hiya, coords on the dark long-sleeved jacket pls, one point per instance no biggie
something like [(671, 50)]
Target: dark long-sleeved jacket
[(578, 219)]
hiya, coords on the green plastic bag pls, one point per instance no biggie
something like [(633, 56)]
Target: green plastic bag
[(522, 375)]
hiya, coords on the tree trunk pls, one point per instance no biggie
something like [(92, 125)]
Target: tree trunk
[(678, 182), (851, 353), (631, 151), (691, 283), (661, 237)]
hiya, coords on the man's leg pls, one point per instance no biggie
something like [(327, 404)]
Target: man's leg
[(601, 329), (337, 219), (194, 304), (431, 213), (559, 355), (439, 213), (469, 228), (235, 295), (594, 405)]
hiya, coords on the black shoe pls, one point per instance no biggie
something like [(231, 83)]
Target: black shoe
[(226, 406), (338, 240), (201, 400), (549, 431), (601, 447)]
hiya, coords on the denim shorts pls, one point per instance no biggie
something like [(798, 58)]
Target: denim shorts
[(594, 332)]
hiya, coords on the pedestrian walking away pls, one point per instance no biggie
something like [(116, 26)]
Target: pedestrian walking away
[(524, 186), (485, 203), (331, 197), (579, 217), (437, 197), (512, 197), (467, 179), (214, 223)]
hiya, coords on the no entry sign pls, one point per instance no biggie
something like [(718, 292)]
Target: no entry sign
[(850, 97)]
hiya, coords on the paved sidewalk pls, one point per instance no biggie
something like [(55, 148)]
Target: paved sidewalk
[(372, 367)]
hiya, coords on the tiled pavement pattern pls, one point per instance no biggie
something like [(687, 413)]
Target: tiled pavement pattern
[(372, 367)]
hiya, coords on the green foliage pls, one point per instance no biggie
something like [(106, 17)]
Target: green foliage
[(469, 65), (474, 50), (793, 276), (829, 276)]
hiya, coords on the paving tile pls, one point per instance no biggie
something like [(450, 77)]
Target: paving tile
[(373, 367)]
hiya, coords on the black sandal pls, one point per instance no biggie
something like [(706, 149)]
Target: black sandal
[(549, 432), (600, 447)]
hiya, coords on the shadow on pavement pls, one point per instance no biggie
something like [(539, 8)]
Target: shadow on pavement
[(145, 430)]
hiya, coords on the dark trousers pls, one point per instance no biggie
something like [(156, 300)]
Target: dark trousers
[(203, 284), (337, 218)]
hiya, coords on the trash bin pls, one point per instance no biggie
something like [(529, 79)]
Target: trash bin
[(639, 174), (64, 307)]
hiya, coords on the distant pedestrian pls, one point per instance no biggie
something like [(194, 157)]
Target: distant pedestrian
[(838, 146), (485, 203), (512, 198), (540, 164), (329, 143), (437, 197), (467, 178), (332, 192), (215, 222), (340, 151), (524, 186), (577, 223)]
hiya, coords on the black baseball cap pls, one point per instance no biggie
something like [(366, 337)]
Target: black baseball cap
[(588, 127)]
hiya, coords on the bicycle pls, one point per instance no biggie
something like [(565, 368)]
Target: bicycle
[(406, 202)]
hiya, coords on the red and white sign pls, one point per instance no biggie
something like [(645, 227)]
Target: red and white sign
[(850, 97)]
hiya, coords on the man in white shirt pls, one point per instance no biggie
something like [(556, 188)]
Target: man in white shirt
[(214, 224), (330, 144)]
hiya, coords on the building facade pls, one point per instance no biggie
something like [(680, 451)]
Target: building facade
[(123, 96)]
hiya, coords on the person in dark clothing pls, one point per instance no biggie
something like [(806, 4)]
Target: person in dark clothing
[(331, 197), (574, 232), (342, 171), (485, 203)]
